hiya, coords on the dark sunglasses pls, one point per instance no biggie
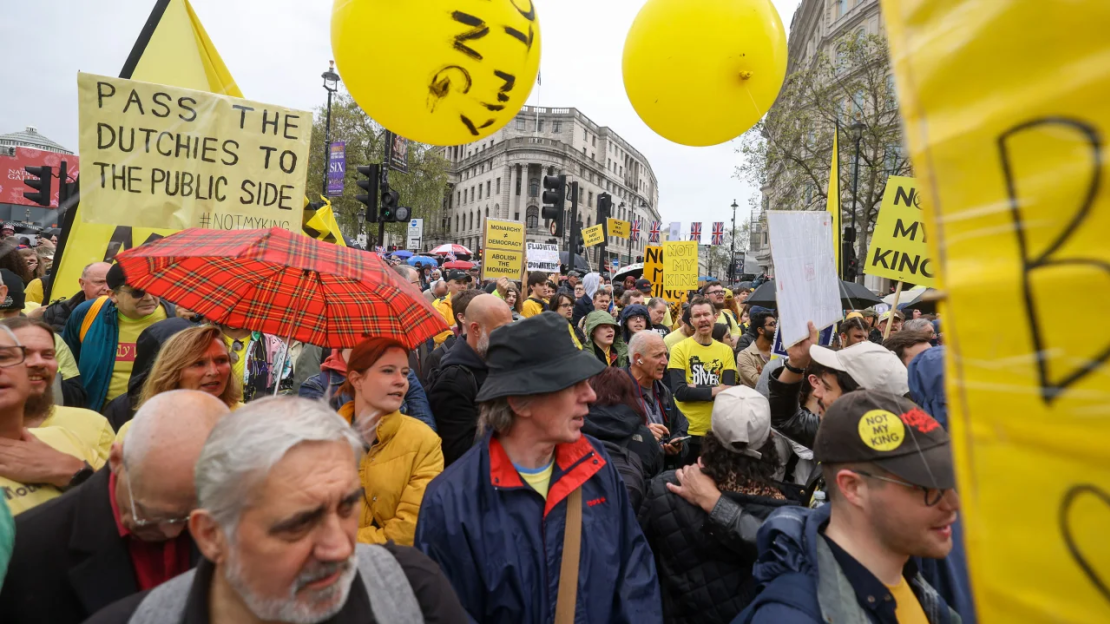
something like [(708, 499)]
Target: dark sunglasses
[(135, 292)]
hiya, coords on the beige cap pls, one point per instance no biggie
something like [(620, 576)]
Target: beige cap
[(741, 420), (872, 366)]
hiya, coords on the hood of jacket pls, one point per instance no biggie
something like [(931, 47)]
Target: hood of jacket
[(335, 363), (613, 423), (147, 346), (590, 283), (926, 377), (462, 354), (596, 319), (631, 311), (787, 542)]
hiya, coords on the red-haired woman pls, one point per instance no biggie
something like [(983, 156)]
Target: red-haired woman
[(618, 420), (403, 454)]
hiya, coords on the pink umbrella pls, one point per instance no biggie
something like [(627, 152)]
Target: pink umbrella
[(451, 248), (458, 264)]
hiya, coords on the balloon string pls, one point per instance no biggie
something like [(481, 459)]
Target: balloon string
[(754, 105)]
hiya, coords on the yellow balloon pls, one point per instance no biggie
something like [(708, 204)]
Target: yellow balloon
[(437, 72), (700, 73)]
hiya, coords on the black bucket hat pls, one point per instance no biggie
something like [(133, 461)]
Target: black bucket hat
[(535, 356)]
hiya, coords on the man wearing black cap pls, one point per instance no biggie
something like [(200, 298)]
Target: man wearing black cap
[(13, 300), (570, 283), (457, 281), (105, 345), (508, 521), (891, 486)]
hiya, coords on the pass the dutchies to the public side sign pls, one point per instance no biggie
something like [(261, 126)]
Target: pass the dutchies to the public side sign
[(166, 157), (898, 249), (503, 251)]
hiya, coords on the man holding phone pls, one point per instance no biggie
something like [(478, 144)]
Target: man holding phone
[(647, 362)]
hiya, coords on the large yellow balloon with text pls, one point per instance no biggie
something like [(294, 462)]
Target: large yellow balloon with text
[(700, 73), (438, 72)]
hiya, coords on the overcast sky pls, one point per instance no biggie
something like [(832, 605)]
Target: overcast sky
[(277, 49)]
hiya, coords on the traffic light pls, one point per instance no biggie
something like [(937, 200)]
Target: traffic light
[(554, 194), (390, 198), (848, 256), (44, 176), (370, 186), (579, 243), (604, 210)]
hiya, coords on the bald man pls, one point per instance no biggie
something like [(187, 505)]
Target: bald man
[(121, 532), (462, 373)]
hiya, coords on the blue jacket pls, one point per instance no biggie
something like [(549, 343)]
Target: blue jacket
[(803, 583), (96, 358), (500, 544), (327, 384)]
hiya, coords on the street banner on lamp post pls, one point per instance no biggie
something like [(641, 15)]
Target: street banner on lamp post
[(337, 167), (399, 156)]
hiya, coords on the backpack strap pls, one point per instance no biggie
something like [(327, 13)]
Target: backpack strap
[(90, 316), (391, 597)]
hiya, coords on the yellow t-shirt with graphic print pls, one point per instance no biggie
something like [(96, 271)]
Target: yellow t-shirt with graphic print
[(704, 366), (129, 330)]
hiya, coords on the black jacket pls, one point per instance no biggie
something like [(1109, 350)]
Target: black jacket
[(122, 408), (452, 397), (582, 307), (787, 416), (673, 418), (622, 426), (432, 590), (434, 361), (704, 560), (746, 339), (57, 313), (69, 559)]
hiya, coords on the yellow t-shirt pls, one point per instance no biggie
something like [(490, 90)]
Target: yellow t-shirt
[(129, 330), (91, 428), (33, 292), (704, 366), (539, 479), (908, 610), (726, 318), (531, 307), (443, 306), (67, 365), (21, 497), (674, 338)]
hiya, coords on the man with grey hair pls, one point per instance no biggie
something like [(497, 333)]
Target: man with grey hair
[(93, 283), (278, 497), (436, 290), (920, 325), (123, 531)]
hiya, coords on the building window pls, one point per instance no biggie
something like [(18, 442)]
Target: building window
[(533, 218), (534, 187), (487, 212), (470, 226), (593, 142), (585, 135), (498, 186), (516, 216), (456, 223), (518, 180), (520, 123), (591, 202), (841, 8), (556, 126), (539, 125), (458, 198), (479, 191), (488, 183)]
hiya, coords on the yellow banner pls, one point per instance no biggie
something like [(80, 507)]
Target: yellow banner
[(1007, 144), (503, 250), (680, 265), (653, 272), (593, 236), (619, 229), (898, 250), (164, 156), (832, 201)]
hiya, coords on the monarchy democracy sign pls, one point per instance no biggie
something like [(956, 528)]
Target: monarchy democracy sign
[(898, 250), (503, 250)]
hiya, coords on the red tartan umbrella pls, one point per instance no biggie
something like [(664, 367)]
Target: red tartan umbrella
[(286, 284)]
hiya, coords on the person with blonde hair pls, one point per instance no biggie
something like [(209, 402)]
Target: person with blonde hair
[(44, 253)]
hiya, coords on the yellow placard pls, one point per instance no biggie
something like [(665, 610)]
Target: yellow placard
[(168, 157), (508, 235), (619, 229), (593, 236), (503, 250), (680, 265), (898, 245), (1007, 144), (653, 272)]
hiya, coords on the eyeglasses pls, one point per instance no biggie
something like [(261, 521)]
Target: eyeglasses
[(714, 293), (12, 356), (139, 522), (135, 292), (566, 305), (932, 495)]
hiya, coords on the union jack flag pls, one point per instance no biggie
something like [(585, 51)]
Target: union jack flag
[(719, 233), (635, 228), (451, 257), (695, 231), (380, 251), (653, 233)]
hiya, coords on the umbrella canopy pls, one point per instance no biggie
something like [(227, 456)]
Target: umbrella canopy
[(580, 263), (286, 284), (907, 297), (917, 298), (458, 264), (423, 261), (635, 270), (853, 296), (403, 254), (451, 248)]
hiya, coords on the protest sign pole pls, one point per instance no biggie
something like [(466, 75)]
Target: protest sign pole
[(893, 309)]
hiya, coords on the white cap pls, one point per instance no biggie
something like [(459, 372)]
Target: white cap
[(872, 366), (741, 420)]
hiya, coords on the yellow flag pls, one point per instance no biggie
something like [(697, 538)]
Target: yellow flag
[(1007, 142), (172, 49), (323, 226), (833, 205)]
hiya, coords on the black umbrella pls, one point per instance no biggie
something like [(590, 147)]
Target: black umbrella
[(580, 263), (853, 296)]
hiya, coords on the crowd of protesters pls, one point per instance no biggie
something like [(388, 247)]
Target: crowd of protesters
[(570, 450)]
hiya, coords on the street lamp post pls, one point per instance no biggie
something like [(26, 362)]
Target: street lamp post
[(856, 130), (732, 252), (361, 216), (331, 84)]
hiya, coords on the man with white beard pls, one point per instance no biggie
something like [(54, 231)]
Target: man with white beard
[(278, 497), (454, 391)]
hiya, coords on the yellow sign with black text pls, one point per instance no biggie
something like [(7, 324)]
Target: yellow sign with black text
[(168, 157), (619, 229), (680, 265), (1009, 146), (503, 250), (898, 246), (593, 236), (653, 272)]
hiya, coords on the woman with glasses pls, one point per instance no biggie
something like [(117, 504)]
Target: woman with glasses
[(563, 305)]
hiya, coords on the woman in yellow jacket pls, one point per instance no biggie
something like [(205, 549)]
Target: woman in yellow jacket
[(404, 454)]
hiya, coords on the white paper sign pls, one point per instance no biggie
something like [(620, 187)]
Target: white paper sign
[(806, 285), (542, 257), (675, 231)]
